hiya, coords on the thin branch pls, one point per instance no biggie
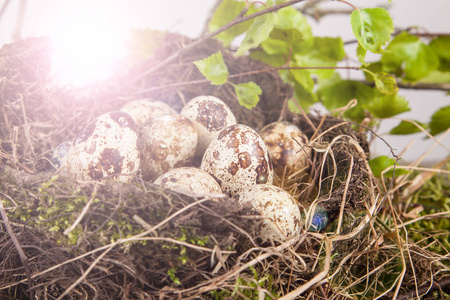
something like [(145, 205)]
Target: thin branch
[(212, 34), (201, 81)]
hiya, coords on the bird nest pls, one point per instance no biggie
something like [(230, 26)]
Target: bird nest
[(61, 239)]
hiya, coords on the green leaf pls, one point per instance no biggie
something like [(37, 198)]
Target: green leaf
[(381, 163), (258, 32), (436, 76), (385, 106), (375, 67), (213, 68), (441, 46), (339, 94), (407, 128), (302, 77), (323, 52), (372, 28), (304, 97), (386, 83), (248, 94), (291, 26), (418, 59), (226, 12), (440, 120), (361, 54), (275, 60)]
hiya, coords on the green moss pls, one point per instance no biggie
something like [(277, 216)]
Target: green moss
[(434, 197)]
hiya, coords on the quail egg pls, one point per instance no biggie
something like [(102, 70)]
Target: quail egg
[(191, 179), (288, 147), (281, 219), (59, 156), (168, 142), (238, 158), (210, 115), (144, 109), (108, 148)]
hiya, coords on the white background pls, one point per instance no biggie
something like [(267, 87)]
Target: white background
[(188, 17)]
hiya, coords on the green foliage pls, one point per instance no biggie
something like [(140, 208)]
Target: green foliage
[(249, 286), (226, 12), (440, 120), (372, 27), (339, 94), (258, 32), (248, 94), (381, 163), (433, 196), (386, 83), (213, 68), (172, 272), (441, 46), (407, 127), (385, 106), (409, 53)]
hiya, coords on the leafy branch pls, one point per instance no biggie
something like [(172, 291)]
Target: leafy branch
[(238, 20)]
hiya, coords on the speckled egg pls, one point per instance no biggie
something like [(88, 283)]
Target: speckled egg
[(288, 147), (281, 219), (238, 158), (319, 219), (190, 179), (210, 115), (108, 148), (59, 156), (168, 142), (144, 109)]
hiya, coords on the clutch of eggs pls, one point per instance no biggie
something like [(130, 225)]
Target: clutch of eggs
[(280, 215), (238, 158), (108, 148)]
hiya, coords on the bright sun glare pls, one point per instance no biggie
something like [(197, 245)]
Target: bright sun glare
[(88, 41)]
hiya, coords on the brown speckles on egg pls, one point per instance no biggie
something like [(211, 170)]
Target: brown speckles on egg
[(282, 219), (212, 115), (244, 160), (209, 115), (168, 142), (105, 150)]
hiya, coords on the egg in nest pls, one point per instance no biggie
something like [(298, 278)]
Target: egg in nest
[(238, 158), (287, 146), (210, 115), (59, 156), (193, 180), (142, 110), (108, 148), (167, 142), (280, 215)]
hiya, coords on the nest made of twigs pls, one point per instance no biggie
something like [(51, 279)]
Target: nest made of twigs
[(112, 240)]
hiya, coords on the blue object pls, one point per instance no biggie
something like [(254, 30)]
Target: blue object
[(319, 220), (60, 153)]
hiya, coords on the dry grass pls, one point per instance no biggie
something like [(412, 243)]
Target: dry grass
[(66, 240)]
